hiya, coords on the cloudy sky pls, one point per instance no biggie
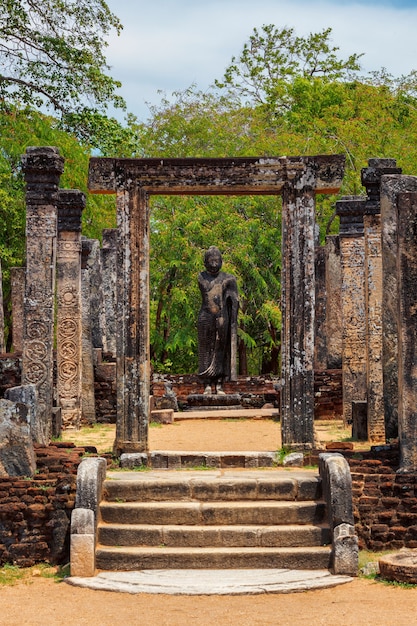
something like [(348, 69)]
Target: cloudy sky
[(168, 45)]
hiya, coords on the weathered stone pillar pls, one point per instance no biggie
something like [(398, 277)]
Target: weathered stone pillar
[(88, 405), (69, 354), (373, 300), (371, 179), (333, 302), (320, 334), (133, 358), (391, 186), (42, 169), (17, 287), (407, 330), (109, 272), (98, 320), (298, 301), (352, 256)]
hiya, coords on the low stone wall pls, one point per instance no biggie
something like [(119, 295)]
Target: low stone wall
[(35, 513), (254, 390)]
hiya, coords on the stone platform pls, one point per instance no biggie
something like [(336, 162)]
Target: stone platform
[(213, 402)]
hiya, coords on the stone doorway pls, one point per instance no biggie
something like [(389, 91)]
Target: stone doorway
[(297, 180)]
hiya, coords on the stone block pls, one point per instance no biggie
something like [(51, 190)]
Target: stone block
[(82, 554), (28, 395), (17, 456), (162, 416), (295, 459), (345, 550), (90, 477), (130, 460)]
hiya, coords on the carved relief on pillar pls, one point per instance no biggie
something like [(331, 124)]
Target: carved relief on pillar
[(42, 169), (352, 256), (69, 354)]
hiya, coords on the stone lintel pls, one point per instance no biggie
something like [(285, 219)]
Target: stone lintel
[(351, 210), (217, 176), (70, 204)]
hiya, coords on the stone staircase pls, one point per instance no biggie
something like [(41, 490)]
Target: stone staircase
[(212, 519)]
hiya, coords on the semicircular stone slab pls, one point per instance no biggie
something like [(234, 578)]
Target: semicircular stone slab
[(400, 567)]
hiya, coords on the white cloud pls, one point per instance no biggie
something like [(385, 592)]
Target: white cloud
[(167, 45)]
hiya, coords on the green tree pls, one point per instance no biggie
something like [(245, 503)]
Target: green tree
[(52, 55), (19, 129), (273, 58)]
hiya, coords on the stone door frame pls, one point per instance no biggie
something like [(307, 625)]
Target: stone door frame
[(297, 180)]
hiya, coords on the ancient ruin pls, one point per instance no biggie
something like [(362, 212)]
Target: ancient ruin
[(348, 311)]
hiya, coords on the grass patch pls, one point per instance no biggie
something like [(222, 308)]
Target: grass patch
[(12, 574), (367, 558)]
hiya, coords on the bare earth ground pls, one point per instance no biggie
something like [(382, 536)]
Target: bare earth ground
[(37, 601), (205, 435)]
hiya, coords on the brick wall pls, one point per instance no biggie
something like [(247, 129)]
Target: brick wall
[(255, 390), (35, 513), (385, 503), (328, 401)]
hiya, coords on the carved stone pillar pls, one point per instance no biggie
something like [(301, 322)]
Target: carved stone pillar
[(373, 299), (298, 301), (1, 313), (391, 186), (320, 335), (109, 271), (133, 358), (17, 287), (69, 354), (42, 169), (333, 302), (97, 314), (352, 256), (407, 330), (371, 179), (88, 405)]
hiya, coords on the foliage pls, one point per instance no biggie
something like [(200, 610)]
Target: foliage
[(326, 115), (18, 130), (52, 55), (274, 57), (284, 95)]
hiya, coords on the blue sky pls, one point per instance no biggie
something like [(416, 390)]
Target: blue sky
[(168, 45)]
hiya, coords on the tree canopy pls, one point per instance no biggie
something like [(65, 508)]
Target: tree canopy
[(284, 95), (52, 55)]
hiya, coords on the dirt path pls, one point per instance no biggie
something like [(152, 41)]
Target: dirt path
[(204, 435), (43, 601)]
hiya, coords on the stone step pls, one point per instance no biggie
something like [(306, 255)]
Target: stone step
[(172, 535), (265, 512), (212, 485), (135, 558)]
